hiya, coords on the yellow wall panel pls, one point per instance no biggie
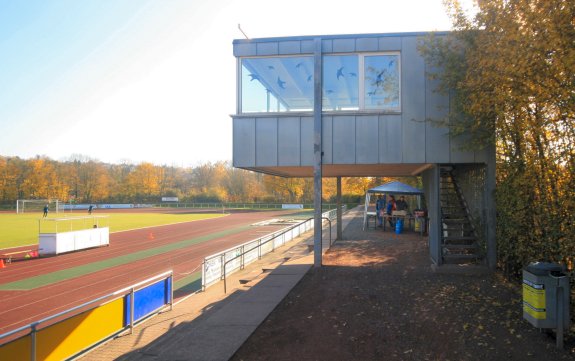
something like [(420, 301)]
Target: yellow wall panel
[(18, 350), (70, 336)]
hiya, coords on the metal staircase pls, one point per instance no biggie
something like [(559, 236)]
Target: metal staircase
[(459, 241)]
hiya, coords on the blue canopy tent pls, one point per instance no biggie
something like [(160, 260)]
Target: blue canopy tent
[(393, 188)]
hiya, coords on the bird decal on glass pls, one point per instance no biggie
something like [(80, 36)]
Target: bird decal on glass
[(379, 79), (271, 67), (298, 65), (309, 78), (353, 75), (254, 77), (339, 73), (281, 83)]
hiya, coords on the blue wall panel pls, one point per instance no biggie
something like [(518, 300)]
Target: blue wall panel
[(367, 44), (270, 48), (147, 300), (289, 141), (367, 139), (343, 140), (266, 142), (289, 47), (307, 156), (244, 142), (343, 45)]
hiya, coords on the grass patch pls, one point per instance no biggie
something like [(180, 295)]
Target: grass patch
[(23, 229)]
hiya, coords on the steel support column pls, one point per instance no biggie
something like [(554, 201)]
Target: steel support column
[(318, 153), (339, 213)]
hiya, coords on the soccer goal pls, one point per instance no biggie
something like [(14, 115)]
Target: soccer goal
[(37, 205)]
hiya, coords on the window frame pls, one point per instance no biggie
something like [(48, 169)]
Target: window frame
[(361, 85)]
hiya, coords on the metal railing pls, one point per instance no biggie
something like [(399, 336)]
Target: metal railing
[(87, 306), (260, 244)]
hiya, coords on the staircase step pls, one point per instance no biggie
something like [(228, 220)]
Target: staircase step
[(459, 238), (460, 245), (453, 216), (458, 233), (454, 220), (454, 257)]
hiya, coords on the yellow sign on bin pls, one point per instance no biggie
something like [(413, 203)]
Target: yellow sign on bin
[(534, 303)]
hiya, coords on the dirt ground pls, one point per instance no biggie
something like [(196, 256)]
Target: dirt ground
[(378, 299)]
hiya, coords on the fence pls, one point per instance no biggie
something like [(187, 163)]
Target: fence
[(237, 205), (73, 331), (216, 267)]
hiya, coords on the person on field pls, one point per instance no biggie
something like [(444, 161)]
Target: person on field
[(45, 211), (90, 209)]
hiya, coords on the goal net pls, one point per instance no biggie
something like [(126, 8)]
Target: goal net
[(37, 205)]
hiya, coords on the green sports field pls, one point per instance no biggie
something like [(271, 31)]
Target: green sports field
[(22, 229)]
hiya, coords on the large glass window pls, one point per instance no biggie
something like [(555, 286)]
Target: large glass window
[(376, 88), (277, 84), (381, 79), (340, 82), (369, 81)]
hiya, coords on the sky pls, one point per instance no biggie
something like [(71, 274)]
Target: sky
[(131, 81)]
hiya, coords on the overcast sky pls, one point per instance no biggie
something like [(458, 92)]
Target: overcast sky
[(152, 80)]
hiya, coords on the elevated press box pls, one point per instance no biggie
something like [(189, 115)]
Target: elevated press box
[(69, 234)]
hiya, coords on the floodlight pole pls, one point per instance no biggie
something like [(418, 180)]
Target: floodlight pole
[(318, 153)]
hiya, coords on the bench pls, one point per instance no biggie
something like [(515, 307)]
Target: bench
[(9, 255)]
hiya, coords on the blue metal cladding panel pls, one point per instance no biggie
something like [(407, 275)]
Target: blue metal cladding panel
[(437, 108), (367, 44), (413, 102), (307, 156), (482, 156), (307, 46), (266, 142), (459, 154), (244, 142), (388, 43), (289, 47), (269, 48), (367, 142), (327, 46), (289, 141), (343, 139), (343, 45), (245, 49), (327, 139), (390, 140), (147, 300)]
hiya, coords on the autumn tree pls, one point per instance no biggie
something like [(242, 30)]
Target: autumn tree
[(511, 73)]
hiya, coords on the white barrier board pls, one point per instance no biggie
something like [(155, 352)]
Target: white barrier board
[(56, 243)]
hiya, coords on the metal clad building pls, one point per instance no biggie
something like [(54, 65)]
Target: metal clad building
[(376, 100)]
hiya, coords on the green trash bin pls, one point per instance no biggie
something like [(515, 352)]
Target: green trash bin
[(546, 294)]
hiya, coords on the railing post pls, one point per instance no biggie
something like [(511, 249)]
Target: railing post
[(132, 310), (33, 342), (260, 248), (204, 275), (172, 291)]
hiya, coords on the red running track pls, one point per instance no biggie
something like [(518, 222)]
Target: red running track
[(19, 308)]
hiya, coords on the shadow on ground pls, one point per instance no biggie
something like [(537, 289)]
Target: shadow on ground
[(376, 298)]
